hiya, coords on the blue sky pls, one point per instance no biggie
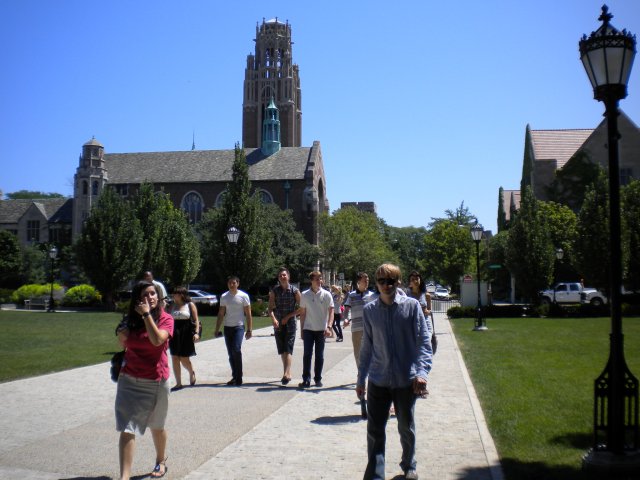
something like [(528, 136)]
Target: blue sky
[(418, 105)]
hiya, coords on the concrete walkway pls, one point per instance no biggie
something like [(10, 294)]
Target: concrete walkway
[(61, 426)]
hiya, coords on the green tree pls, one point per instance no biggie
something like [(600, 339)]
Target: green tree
[(562, 224), (460, 216), (288, 246), (499, 274), (530, 252), (409, 245), (502, 215), (336, 246), (29, 194), (152, 210), (592, 257), (182, 249), (631, 234), (249, 257), (110, 249), (10, 260), (449, 250)]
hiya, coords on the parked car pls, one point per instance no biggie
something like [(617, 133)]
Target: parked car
[(572, 292), (441, 293), (203, 298)]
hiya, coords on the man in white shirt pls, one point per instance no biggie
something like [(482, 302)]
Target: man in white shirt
[(316, 323), (235, 309)]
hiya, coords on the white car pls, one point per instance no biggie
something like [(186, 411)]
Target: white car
[(441, 293), (202, 297)]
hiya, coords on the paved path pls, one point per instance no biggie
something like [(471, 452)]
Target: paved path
[(61, 426)]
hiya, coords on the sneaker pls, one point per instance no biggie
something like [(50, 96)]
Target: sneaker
[(411, 474), (318, 383), (305, 384)]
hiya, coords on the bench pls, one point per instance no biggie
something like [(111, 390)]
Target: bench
[(36, 302)]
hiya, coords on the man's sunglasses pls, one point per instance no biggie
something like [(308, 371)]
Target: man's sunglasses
[(386, 281)]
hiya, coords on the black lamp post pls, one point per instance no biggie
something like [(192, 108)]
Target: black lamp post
[(559, 257), (607, 56), (53, 254), (233, 234), (476, 234)]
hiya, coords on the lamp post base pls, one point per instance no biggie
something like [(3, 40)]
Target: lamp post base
[(603, 464)]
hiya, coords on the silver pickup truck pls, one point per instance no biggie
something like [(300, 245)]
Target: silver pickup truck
[(572, 292)]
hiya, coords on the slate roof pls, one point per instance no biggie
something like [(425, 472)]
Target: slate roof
[(289, 163), (12, 210), (559, 145)]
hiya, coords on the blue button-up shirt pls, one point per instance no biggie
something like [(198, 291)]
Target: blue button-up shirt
[(396, 343)]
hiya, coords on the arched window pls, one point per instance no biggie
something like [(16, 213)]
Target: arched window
[(264, 196), (192, 204), (94, 188), (220, 198), (85, 188)]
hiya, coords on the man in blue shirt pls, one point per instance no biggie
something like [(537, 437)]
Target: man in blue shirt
[(396, 357)]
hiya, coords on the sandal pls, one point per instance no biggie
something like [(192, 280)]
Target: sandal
[(192, 378), (176, 388), (156, 470)]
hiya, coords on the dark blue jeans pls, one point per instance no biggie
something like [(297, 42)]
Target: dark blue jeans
[(312, 338), (379, 401), (233, 340)]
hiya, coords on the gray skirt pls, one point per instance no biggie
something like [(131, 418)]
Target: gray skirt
[(141, 403)]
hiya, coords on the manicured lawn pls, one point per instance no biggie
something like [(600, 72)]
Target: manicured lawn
[(534, 378), (34, 343)]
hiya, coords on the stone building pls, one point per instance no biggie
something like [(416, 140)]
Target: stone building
[(280, 169)]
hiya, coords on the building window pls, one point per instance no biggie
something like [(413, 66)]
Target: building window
[(192, 204), (85, 187), (122, 190), (220, 199), (94, 188), (33, 230), (265, 197), (626, 175)]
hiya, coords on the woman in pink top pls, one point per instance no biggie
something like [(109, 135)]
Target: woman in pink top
[(142, 398)]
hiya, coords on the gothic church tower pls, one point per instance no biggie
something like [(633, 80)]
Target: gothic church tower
[(88, 182), (271, 73)]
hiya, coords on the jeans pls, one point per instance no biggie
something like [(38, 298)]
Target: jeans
[(379, 401), (337, 325), (233, 340), (311, 338)]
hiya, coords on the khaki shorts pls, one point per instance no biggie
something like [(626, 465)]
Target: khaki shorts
[(141, 403)]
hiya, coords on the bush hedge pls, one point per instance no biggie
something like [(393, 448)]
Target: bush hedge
[(33, 290), (82, 296)]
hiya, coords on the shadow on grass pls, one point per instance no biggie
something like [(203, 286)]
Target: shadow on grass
[(579, 440), (516, 469)]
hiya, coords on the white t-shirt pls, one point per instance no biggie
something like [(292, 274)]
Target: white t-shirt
[(234, 308), (317, 309)]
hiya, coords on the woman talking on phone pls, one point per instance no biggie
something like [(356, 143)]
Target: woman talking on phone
[(142, 398)]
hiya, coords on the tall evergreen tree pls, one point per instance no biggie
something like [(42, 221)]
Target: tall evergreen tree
[(592, 257), (110, 249), (631, 234), (530, 253), (502, 215), (248, 258), (10, 260)]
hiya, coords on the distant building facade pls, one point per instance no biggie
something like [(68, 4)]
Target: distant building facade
[(281, 171), (362, 206)]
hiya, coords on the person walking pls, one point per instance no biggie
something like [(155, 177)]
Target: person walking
[(235, 310), (336, 293), (186, 327), (284, 300), (396, 359), (352, 315), (148, 276), (142, 398), (418, 290), (316, 321)]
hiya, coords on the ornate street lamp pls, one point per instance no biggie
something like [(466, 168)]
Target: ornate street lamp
[(233, 234), (53, 254), (476, 235), (559, 257), (607, 55)]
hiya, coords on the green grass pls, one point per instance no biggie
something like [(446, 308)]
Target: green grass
[(35, 343), (534, 378)]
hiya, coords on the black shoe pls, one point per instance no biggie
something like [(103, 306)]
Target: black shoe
[(239, 382), (411, 474), (340, 340), (305, 384), (231, 382), (318, 383), (285, 380)]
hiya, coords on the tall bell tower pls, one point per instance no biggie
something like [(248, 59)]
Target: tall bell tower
[(270, 73)]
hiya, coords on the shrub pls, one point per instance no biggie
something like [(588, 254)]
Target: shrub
[(461, 312), (5, 295), (259, 308), (33, 290), (82, 296)]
